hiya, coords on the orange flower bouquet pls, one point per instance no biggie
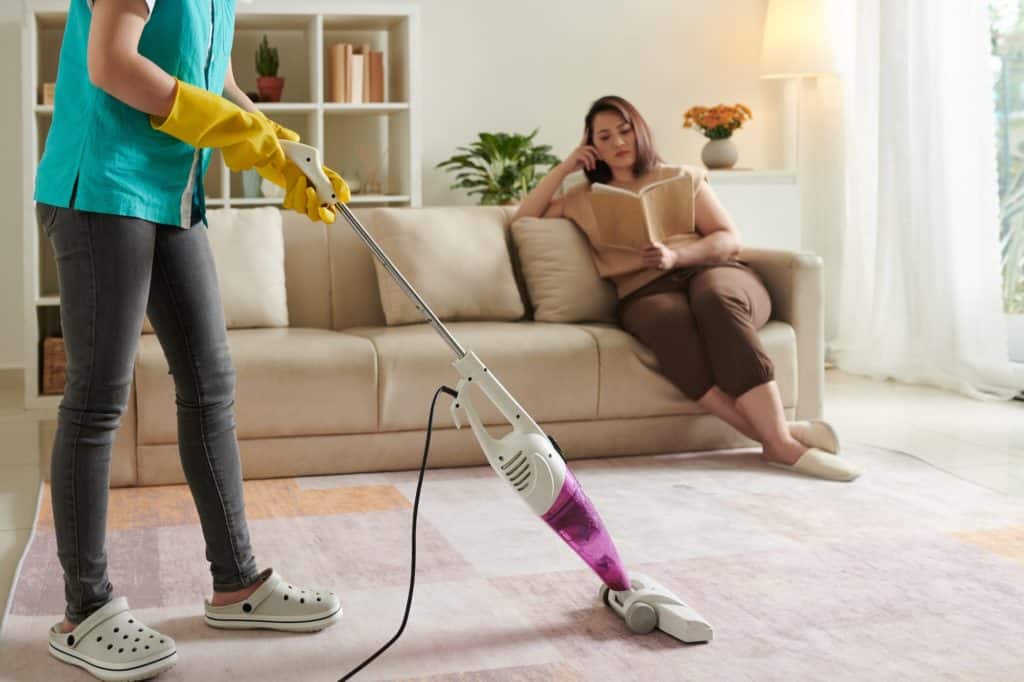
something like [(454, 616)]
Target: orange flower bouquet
[(718, 122)]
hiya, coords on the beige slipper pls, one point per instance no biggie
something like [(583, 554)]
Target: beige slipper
[(276, 605), (821, 464), (815, 433), (111, 644)]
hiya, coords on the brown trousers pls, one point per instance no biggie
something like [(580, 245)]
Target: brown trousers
[(701, 323)]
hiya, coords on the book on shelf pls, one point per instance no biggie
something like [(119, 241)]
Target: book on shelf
[(653, 214), (376, 76), (364, 51), (355, 74), (355, 78), (46, 93), (338, 56)]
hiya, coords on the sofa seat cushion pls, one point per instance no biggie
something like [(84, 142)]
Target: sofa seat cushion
[(290, 382), (550, 369), (631, 385)]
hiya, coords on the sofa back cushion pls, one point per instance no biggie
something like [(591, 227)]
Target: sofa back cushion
[(333, 280), (457, 258), (307, 271), (249, 256), (248, 249), (354, 297), (561, 278)]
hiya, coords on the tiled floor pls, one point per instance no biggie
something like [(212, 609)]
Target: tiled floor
[(979, 441)]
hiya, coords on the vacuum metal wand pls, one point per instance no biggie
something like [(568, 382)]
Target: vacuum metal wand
[(397, 275), (308, 160)]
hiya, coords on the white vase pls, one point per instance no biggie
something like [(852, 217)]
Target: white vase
[(720, 154)]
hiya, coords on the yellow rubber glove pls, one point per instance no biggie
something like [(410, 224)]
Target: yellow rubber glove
[(302, 196), (280, 131), (275, 174), (203, 119)]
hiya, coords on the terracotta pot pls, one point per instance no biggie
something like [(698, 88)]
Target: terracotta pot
[(270, 88)]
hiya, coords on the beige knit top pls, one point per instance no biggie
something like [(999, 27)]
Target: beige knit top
[(619, 263)]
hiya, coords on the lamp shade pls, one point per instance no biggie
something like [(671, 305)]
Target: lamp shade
[(797, 39)]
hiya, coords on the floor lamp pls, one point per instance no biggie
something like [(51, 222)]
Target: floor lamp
[(797, 45)]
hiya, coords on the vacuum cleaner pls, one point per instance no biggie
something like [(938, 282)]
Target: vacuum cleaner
[(530, 461)]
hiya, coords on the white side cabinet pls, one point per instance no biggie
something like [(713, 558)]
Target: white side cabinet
[(764, 204)]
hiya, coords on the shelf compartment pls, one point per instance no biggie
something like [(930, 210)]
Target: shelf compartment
[(294, 38), (366, 146)]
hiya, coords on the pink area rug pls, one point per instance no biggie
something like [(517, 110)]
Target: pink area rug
[(907, 574)]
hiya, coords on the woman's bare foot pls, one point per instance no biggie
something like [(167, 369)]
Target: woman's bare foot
[(786, 452), (225, 598), (66, 626)]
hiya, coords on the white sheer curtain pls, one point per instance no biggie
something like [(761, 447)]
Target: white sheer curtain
[(919, 299)]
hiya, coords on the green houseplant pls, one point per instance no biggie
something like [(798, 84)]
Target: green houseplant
[(267, 63), (500, 167)]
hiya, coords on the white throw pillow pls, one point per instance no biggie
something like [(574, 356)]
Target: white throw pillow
[(248, 251), (560, 274)]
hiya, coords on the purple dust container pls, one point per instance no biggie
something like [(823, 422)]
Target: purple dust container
[(576, 521)]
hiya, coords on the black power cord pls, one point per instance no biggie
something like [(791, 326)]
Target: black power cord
[(415, 512)]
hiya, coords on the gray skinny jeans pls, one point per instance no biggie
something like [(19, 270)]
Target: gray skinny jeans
[(113, 270)]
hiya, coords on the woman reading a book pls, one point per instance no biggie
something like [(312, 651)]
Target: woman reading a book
[(661, 235)]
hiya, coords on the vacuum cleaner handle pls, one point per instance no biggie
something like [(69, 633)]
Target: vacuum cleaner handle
[(307, 158)]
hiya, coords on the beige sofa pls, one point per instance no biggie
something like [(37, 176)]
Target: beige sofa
[(339, 391)]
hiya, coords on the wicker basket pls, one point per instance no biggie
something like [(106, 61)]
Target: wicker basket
[(54, 364)]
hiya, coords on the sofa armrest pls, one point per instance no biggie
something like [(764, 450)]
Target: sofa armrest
[(796, 283)]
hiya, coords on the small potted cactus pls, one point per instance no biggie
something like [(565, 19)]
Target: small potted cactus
[(268, 83)]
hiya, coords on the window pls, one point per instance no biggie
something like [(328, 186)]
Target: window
[(1007, 28)]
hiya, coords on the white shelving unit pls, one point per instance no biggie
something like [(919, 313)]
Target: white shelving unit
[(356, 139)]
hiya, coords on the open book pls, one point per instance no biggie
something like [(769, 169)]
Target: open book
[(660, 210)]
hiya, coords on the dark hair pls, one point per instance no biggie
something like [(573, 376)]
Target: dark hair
[(646, 156)]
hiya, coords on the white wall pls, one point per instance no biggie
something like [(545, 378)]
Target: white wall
[(494, 65), (11, 302), (491, 65)]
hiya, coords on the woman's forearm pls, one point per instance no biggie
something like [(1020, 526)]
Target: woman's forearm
[(235, 93), (537, 201), (137, 82), (718, 247), (115, 64)]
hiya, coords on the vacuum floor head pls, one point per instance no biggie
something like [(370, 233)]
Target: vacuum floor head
[(649, 605)]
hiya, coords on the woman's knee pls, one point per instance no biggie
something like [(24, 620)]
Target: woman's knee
[(94, 401), (720, 303), (657, 313), (205, 383), (220, 383)]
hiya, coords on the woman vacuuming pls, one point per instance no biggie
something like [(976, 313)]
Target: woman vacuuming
[(120, 197)]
